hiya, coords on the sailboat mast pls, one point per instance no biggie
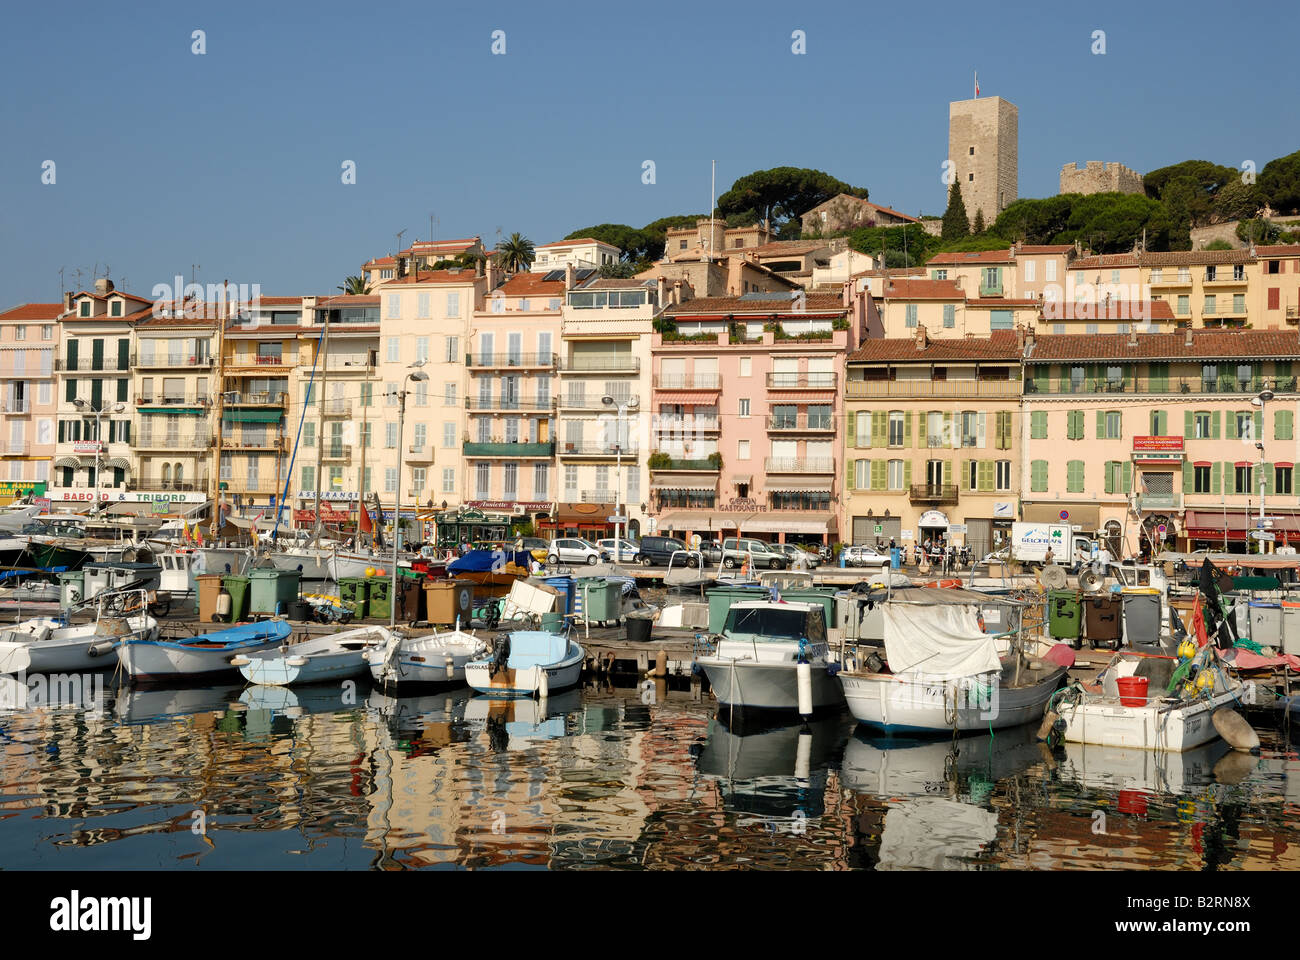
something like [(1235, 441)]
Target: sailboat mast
[(320, 419)]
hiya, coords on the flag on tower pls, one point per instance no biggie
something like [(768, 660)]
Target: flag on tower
[(977, 84)]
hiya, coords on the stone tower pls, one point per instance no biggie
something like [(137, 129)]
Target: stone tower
[(982, 144)]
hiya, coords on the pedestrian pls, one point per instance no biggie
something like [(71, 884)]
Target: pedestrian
[(1049, 558)]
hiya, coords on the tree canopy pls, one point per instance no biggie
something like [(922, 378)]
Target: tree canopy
[(1279, 182), (956, 224), (781, 195)]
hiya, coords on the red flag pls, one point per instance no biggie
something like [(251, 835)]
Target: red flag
[(1198, 624), (365, 524)]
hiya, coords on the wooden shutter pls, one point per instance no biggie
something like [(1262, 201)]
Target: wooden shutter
[(1101, 424), (1215, 419), (1189, 478), (850, 465), (1267, 469), (1189, 424), (907, 428), (880, 429), (1038, 476), (1231, 417), (1038, 425), (879, 474), (850, 427), (1216, 477), (1127, 470), (985, 475)]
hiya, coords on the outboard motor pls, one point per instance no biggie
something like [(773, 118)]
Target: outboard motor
[(500, 654)]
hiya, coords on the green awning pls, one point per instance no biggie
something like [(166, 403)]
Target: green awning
[(252, 416), (194, 410)]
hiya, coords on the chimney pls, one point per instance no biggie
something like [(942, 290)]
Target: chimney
[(67, 301), (1132, 335), (493, 273), (401, 267), (1187, 337), (1029, 338), (662, 291), (103, 286), (568, 276), (922, 341), (677, 292)]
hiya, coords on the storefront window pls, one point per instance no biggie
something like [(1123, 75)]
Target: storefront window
[(800, 500)]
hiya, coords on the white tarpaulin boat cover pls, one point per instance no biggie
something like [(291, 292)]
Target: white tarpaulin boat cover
[(943, 641)]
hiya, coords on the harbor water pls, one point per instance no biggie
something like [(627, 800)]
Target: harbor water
[(639, 777)]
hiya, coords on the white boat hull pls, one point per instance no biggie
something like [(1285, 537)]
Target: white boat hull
[(527, 681), (754, 685), (323, 659), (343, 565), (431, 659), (68, 649), (163, 661), (1156, 726), (900, 705), (314, 564)]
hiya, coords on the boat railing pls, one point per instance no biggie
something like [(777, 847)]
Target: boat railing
[(121, 602)]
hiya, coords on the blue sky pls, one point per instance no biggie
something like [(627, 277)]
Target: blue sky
[(232, 160)]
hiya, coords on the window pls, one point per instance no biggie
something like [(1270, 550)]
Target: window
[(1029, 271), (1245, 423), (1210, 305), (742, 450), (390, 435), (935, 434), (308, 478), (1242, 477), (309, 434), (541, 480), (1184, 305), (84, 308), (394, 306), (940, 275), (390, 394), (1201, 479), (972, 429), (744, 407), (1201, 425), (449, 394), (895, 428), (422, 310), (972, 475), (421, 393), (367, 435), (390, 479), (453, 304), (1113, 421), (949, 315), (47, 331), (746, 366), (895, 474), (1038, 425), (453, 350), (1282, 481), (394, 350), (1002, 475), (448, 435), (448, 479), (1074, 476), (911, 315), (422, 349), (20, 332), (1159, 422), (421, 436), (1238, 303)]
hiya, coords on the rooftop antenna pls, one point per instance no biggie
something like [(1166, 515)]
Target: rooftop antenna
[(194, 270), (62, 289), (400, 233), (433, 230), (79, 272)]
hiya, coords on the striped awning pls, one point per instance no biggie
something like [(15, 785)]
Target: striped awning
[(742, 478), (798, 486), (119, 462), (67, 462), (682, 487), (695, 398), (252, 416)]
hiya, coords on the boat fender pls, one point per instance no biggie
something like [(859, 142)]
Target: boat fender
[(100, 648), (874, 663), (451, 667), (543, 684), (803, 755), (1049, 721), (240, 661), (803, 681), (1233, 727), (297, 661)]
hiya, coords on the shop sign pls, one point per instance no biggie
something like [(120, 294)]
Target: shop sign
[(1158, 444), (742, 505)]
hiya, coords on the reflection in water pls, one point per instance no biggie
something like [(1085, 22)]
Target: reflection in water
[(347, 777)]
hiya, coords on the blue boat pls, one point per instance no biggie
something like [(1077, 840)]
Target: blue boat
[(205, 656)]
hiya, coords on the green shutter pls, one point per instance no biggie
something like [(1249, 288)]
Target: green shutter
[(907, 474), (1229, 477), (1189, 478), (1216, 477), (985, 475), (123, 354), (1267, 468), (1101, 424), (1042, 378), (97, 394), (1215, 419), (947, 473), (947, 428), (1090, 378), (70, 391), (72, 353), (879, 474), (62, 424), (1110, 476), (1159, 376), (1065, 378), (1259, 425), (850, 427), (880, 429), (97, 354), (1128, 476), (1038, 425), (1038, 476), (1282, 425), (850, 465), (965, 472), (1007, 426), (121, 391), (1231, 417), (907, 428), (1189, 425)]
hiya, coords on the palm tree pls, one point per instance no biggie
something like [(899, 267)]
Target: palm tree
[(355, 286), (516, 253)]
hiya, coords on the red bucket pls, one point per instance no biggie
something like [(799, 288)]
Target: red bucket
[(1132, 691)]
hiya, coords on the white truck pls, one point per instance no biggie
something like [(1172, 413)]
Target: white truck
[(1030, 542)]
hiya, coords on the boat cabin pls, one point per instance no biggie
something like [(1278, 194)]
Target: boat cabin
[(761, 621)]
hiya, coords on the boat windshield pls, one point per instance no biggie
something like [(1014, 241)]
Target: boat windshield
[(775, 625)]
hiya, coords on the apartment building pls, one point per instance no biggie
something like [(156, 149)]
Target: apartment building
[(93, 455), (1021, 272), (582, 253), (943, 307), (420, 255), (29, 341), (747, 405), (1276, 305), (1162, 439), (932, 439)]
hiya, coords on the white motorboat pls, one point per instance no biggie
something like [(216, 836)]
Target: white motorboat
[(313, 562), (340, 564), (432, 658), (524, 663), (333, 657), (1164, 719), (51, 645), (204, 656), (941, 671), (757, 661)]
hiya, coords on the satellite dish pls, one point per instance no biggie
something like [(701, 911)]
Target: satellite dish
[(1052, 577), (1090, 581)]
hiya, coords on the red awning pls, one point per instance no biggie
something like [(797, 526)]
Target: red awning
[(1210, 524), (697, 398)]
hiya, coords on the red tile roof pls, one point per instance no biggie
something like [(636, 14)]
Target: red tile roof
[(1040, 248), (531, 285), (1278, 250), (1000, 345), (1109, 310), (1105, 260), (921, 289), (996, 303), (815, 303), (892, 272), (465, 275), (789, 248), (1206, 345), (348, 300), (957, 258), (32, 311), (892, 213), (279, 301)]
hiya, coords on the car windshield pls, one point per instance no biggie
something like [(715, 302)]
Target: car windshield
[(766, 623)]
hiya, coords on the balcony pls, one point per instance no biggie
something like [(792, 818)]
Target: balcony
[(801, 381), (933, 493), (171, 441), (1181, 279), (172, 361), (510, 361), (15, 448), (419, 454), (272, 444), (16, 408), (517, 450), (173, 400), (596, 449), (819, 465), (687, 426), (932, 389), (584, 402), (1224, 278), (1223, 386), (600, 363), (800, 424), (599, 496), (521, 405), (1160, 501), (234, 398), (688, 381), (706, 465), (244, 361), (158, 483), (91, 365), (253, 484)]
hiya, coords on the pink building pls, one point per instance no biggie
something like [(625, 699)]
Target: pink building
[(29, 337), (746, 400)]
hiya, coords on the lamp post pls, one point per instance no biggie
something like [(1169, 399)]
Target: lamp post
[(1261, 401), (609, 401), (417, 376), (99, 442)]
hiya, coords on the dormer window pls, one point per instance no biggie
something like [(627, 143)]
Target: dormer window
[(84, 310), (115, 308)]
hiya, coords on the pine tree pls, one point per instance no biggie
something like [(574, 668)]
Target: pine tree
[(979, 222), (956, 224)]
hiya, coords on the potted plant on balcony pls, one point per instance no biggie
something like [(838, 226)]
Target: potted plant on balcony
[(659, 461)]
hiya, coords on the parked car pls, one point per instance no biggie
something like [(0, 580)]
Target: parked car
[(576, 550), (863, 556), (659, 550), (760, 554), (797, 555), (711, 550), (623, 551)]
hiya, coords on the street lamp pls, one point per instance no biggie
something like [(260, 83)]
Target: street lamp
[(609, 401), (417, 376), (1260, 401), (99, 442)]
